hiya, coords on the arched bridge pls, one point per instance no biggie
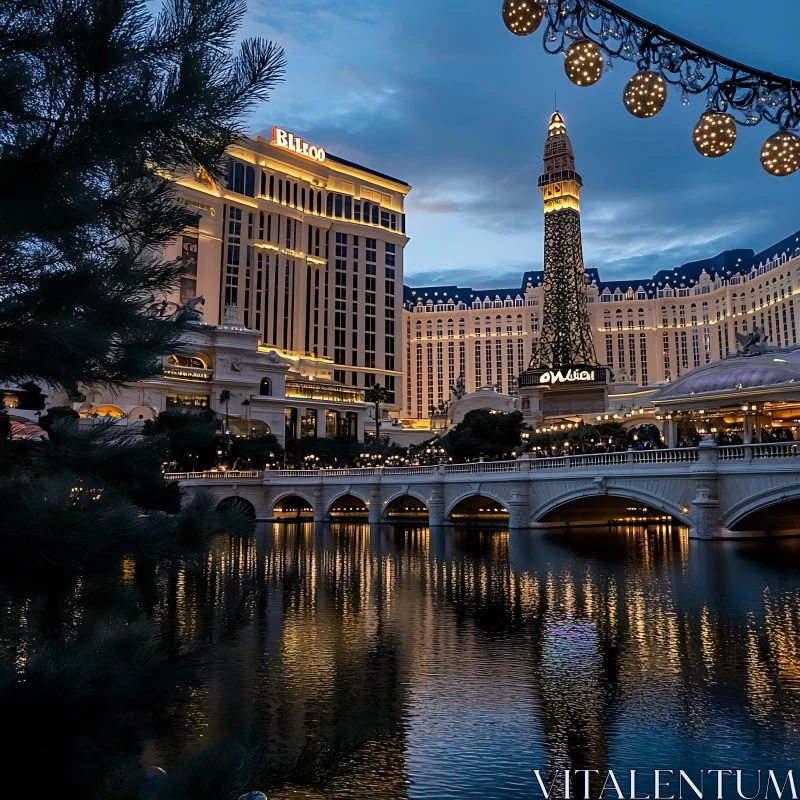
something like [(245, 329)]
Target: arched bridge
[(715, 491)]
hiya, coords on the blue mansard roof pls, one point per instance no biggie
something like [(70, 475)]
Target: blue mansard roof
[(724, 265)]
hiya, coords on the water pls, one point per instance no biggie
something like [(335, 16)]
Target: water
[(465, 659)]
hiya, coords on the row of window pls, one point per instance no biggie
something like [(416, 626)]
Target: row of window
[(241, 179)]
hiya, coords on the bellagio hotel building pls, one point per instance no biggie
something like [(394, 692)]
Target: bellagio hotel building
[(646, 331), (306, 248)]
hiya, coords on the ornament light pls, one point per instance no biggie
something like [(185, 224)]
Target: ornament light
[(715, 134), (781, 153), (583, 63), (522, 17), (645, 94)]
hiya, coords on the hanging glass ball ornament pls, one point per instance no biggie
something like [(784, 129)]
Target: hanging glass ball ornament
[(645, 94), (583, 63), (780, 154), (522, 17), (715, 134)]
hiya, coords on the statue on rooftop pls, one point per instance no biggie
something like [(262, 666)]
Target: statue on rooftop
[(753, 343)]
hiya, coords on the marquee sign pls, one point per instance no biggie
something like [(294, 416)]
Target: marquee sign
[(289, 141), (577, 376), (568, 376)]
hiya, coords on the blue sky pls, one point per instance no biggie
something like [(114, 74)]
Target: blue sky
[(438, 93)]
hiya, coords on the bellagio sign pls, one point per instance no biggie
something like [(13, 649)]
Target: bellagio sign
[(289, 141), (568, 376)]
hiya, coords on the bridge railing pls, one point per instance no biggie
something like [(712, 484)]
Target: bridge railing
[(217, 474), (746, 452), (743, 452)]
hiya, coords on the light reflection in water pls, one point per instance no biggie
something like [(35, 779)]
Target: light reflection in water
[(463, 659)]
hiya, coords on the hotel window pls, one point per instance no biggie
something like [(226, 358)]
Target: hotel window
[(621, 351), (375, 211), (329, 205), (338, 206), (348, 207), (357, 211), (272, 187), (665, 346), (478, 379), (294, 196), (643, 357), (390, 253), (234, 257), (241, 179), (684, 351), (372, 253), (632, 355), (609, 350), (308, 423), (695, 349)]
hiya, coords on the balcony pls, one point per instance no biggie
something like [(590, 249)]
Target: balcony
[(193, 374), (324, 391)]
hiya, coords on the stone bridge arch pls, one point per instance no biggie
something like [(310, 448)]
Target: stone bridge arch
[(406, 491), (627, 493), (236, 504), (481, 491), (286, 498), (767, 504), (346, 491)]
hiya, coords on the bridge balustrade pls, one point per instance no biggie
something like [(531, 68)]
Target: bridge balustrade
[(743, 452)]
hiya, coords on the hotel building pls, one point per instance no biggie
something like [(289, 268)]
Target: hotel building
[(307, 249), (645, 331)]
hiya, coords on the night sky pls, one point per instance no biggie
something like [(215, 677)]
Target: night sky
[(440, 94)]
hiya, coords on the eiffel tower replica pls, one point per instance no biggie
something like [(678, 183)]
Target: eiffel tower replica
[(563, 376)]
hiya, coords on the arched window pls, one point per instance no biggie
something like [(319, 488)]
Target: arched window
[(311, 200), (319, 202), (366, 211), (329, 205), (263, 184), (338, 205), (272, 187), (250, 182), (280, 191), (303, 198), (374, 215), (266, 388), (294, 196)]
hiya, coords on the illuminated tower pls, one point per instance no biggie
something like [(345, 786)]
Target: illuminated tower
[(566, 337)]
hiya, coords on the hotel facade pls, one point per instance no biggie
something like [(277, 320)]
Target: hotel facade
[(307, 249)]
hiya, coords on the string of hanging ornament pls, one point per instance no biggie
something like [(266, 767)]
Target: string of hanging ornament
[(593, 33)]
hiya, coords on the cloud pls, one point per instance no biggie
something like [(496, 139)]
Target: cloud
[(440, 95)]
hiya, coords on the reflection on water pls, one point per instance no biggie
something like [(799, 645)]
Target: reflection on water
[(464, 659)]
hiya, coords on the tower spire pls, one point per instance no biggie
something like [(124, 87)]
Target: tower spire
[(566, 337)]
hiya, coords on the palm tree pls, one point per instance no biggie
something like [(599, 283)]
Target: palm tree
[(377, 395), (246, 404), (225, 397)]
